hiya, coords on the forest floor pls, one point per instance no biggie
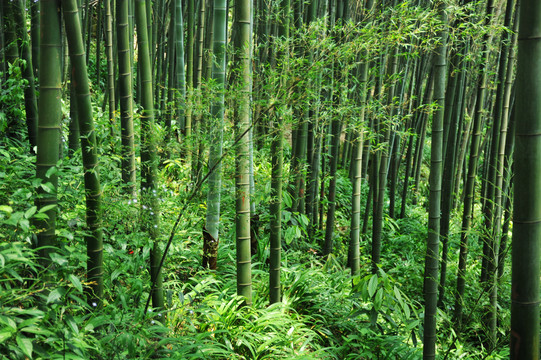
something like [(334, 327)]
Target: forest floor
[(324, 313)]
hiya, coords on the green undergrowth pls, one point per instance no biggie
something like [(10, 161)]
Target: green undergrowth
[(324, 313)]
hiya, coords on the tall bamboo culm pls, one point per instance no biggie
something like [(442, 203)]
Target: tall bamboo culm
[(125, 88), (527, 207), (150, 207), (216, 132), (94, 242), (435, 180), (49, 123), (243, 47)]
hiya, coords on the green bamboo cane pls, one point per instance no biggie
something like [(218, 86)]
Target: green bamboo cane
[(159, 66), (507, 138), (354, 242), (150, 207), (276, 178), (172, 78), (385, 128), (243, 46), (189, 80), (334, 148), (435, 180), (74, 132), (126, 97), (495, 181), (34, 35), (110, 67), (99, 30), (197, 123), (455, 89), (527, 208), (49, 125), (94, 241), (180, 72), (357, 160), (469, 190), (212, 222), (88, 25)]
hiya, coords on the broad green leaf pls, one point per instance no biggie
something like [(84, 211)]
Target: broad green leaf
[(6, 208), (55, 295), (41, 216), (181, 297), (30, 212), (60, 260), (14, 218), (51, 171), (378, 299), (406, 309), (115, 274), (6, 155), (36, 330), (47, 208), (26, 345), (28, 312), (373, 285), (288, 201), (72, 324), (65, 234), (24, 224), (78, 300), (28, 322), (5, 334), (290, 331), (76, 282), (289, 235), (398, 296), (48, 188), (9, 322)]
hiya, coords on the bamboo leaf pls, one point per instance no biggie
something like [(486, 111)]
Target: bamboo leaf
[(60, 260), (30, 212), (55, 295), (24, 224), (76, 282), (52, 170), (7, 209), (47, 208), (48, 188), (372, 285), (72, 324), (5, 334), (26, 345)]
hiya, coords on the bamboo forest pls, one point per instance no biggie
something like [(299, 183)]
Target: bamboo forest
[(270, 179)]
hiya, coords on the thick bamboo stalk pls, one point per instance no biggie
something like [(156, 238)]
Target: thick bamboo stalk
[(435, 180), (527, 208), (49, 125), (243, 49), (94, 243), (212, 222), (126, 97), (150, 210)]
